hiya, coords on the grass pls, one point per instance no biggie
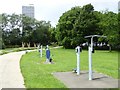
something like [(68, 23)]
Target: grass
[(8, 50), (39, 75)]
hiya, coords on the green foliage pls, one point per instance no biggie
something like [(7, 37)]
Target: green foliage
[(118, 34), (78, 22), (41, 34), (0, 38), (109, 27), (72, 26), (52, 31), (75, 24), (37, 74), (11, 25), (28, 24), (20, 28), (1, 41)]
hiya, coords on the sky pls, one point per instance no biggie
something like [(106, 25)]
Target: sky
[(51, 10)]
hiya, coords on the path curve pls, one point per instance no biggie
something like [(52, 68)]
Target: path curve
[(10, 73)]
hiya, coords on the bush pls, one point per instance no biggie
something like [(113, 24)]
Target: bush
[(66, 43), (101, 48), (54, 44), (13, 46), (3, 46), (97, 47)]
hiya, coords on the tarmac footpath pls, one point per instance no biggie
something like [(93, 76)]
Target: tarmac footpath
[(10, 73)]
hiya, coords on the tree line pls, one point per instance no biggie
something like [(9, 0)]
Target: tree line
[(69, 32), (78, 22), (20, 29)]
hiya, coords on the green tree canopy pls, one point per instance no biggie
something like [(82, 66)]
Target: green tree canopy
[(20, 28), (76, 23), (109, 25), (41, 34)]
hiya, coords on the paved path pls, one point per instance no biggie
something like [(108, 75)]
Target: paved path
[(10, 73), (72, 80)]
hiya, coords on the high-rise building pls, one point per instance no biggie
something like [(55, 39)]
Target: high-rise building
[(28, 10), (119, 6)]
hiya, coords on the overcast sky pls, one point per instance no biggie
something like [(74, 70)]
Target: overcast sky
[(51, 10)]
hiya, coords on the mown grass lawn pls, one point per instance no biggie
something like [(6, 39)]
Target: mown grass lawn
[(9, 50), (39, 75)]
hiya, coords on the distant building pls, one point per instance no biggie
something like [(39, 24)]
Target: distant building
[(119, 6), (28, 10)]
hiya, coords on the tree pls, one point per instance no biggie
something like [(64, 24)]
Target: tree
[(52, 31), (28, 26), (0, 32), (20, 28), (118, 37), (11, 25), (74, 24), (41, 34), (0, 38), (109, 27), (15, 37)]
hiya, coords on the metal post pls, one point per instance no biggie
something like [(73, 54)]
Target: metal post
[(91, 44), (90, 48), (41, 51), (78, 60), (90, 63)]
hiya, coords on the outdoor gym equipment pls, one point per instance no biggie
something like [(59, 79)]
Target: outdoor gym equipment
[(90, 49), (78, 50), (47, 54), (40, 50)]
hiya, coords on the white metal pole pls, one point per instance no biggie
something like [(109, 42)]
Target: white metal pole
[(78, 60), (90, 49), (41, 51), (91, 44), (90, 60)]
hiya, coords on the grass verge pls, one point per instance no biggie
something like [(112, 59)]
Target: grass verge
[(8, 50)]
